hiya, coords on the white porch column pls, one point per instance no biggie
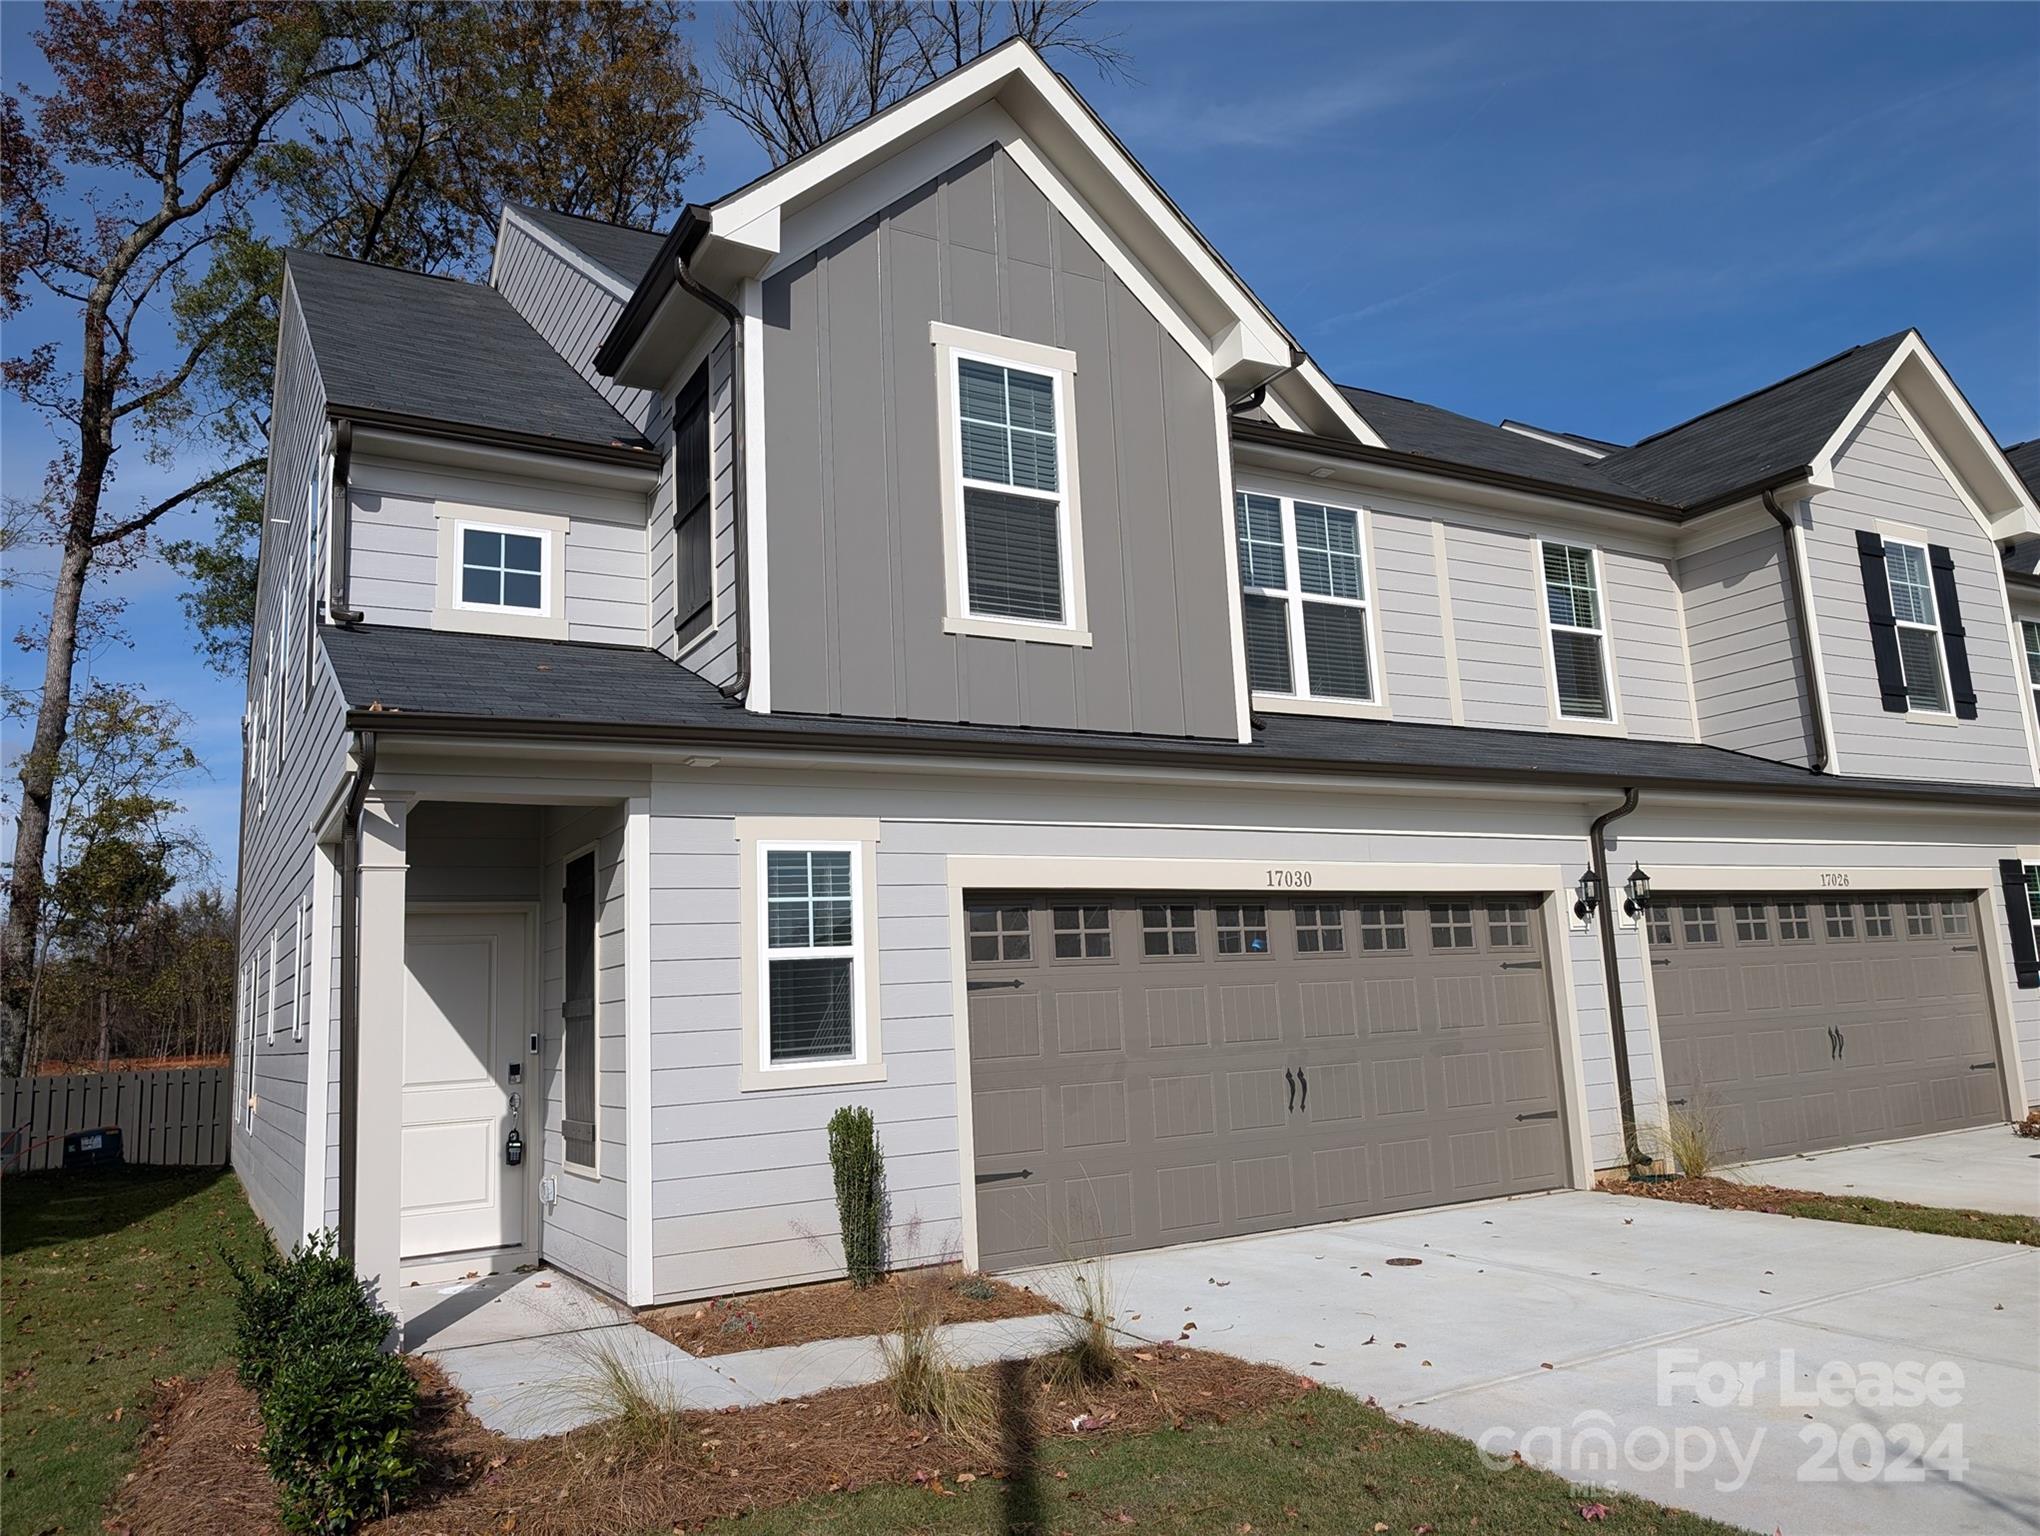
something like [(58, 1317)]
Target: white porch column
[(378, 1156)]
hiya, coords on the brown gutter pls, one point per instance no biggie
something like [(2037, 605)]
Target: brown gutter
[(350, 979), (764, 734), (338, 537), (635, 456), (1803, 623), (661, 277), (1611, 971), (740, 506)]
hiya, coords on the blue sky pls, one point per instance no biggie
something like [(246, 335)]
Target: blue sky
[(1601, 219)]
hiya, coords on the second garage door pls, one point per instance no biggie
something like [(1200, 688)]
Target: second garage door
[(1798, 1024), (1149, 1070)]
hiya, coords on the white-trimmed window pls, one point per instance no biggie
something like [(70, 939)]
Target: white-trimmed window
[(499, 572), (1010, 513), (246, 1063), (1305, 599), (301, 1010), (1920, 651), (810, 1005), (264, 710), (503, 568), (273, 975), (2031, 631), (1577, 627)]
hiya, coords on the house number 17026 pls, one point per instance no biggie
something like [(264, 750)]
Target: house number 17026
[(1834, 882), (1289, 879)]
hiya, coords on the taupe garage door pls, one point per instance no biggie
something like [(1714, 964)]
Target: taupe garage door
[(1149, 1070), (1800, 1023)]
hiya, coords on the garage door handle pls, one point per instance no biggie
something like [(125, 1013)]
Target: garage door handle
[(1963, 949), (986, 986), (1289, 1077), (1656, 961), (1522, 965), (1675, 1103), (1981, 1066), (1000, 1178), (1305, 1104), (1542, 1114)]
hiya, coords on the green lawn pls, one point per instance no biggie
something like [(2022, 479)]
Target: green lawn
[(1862, 1211), (109, 1281), (1325, 1463)]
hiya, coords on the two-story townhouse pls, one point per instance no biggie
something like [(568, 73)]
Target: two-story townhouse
[(922, 634)]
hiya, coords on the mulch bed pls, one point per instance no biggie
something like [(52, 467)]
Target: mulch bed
[(1771, 1199), (200, 1471), (838, 1310)]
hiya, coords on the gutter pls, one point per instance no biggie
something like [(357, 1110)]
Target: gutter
[(1611, 970), (616, 452), (1803, 624), (739, 686), (776, 732), (339, 539), (350, 979), (663, 276)]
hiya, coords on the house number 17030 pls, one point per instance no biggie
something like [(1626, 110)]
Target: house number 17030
[(1289, 879)]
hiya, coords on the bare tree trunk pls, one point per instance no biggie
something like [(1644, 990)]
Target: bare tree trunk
[(105, 1033)]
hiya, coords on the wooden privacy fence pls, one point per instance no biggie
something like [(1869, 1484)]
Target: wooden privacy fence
[(172, 1116)]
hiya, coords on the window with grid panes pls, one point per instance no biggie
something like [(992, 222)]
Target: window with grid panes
[(1840, 918), (1751, 924), (1382, 927), (1320, 930), (1168, 929), (1083, 933), (1919, 919), (998, 933), (1661, 926), (1700, 924), (1794, 925), (1242, 930), (1877, 920), (1955, 918), (1508, 925), (1452, 927)]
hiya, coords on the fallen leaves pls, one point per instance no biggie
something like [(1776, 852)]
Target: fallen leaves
[(1592, 1512)]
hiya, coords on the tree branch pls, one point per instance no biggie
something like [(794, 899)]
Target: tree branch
[(142, 520)]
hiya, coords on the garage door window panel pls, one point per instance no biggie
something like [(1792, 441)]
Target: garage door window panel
[(1508, 926), (1955, 919), (999, 933), (1700, 925), (1383, 928), (1877, 920), (1083, 933), (1794, 925), (1752, 924), (1320, 930), (1839, 918), (1242, 930), (1452, 927), (1919, 919), (1168, 931)]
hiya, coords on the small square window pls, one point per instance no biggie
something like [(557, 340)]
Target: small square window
[(1700, 924), (1752, 925), (1794, 925), (1955, 918), (1319, 930), (1661, 927), (998, 933), (1243, 930), (1083, 933), (1381, 927), (499, 569), (1452, 927), (1919, 919), (1841, 919), (1508, 925), (1877, 920), (1168, 930)]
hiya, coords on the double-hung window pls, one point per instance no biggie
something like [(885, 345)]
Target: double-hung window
[(2031, 631), (1919, 627), (1304, 599), (1578, 629), (813, 995)]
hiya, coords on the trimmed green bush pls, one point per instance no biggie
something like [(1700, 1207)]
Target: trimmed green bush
[(337, 1411), (859, 1164)]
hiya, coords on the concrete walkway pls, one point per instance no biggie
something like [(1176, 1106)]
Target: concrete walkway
[(1987, 1169), (1556, 1325), (530, 1350)]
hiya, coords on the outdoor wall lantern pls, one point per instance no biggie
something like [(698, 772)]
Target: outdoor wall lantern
[(1638, 888), (1589, 890)]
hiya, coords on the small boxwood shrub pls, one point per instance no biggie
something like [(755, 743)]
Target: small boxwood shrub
[(337, 1411), (859, 1165)]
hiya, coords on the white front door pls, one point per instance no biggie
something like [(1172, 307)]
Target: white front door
[(467, 1010)]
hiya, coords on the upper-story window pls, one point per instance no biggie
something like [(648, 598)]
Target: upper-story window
[(499, 571), (500, 568), (2032, 634), (1304, 598), (1919, 626), (1010, 508), (1578, 630)]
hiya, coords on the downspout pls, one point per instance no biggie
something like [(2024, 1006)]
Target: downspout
[(350, 979), (337, 553), (739, 686), (1817, 759), (1612, 972)]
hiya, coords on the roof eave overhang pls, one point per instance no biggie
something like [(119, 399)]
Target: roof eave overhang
[(754, 737), (635, 456)]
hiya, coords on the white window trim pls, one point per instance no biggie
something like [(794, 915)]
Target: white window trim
[(2029, 646), (449, 611), (1903, 541), (247, 1061), (953, 344), (269, 1006), (301, 982), (1611, 724), (265, 709), (757, 836), (1301, 700)]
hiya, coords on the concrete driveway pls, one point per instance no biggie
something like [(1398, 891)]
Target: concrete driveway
[(1664, 1349), (1987, 1169)]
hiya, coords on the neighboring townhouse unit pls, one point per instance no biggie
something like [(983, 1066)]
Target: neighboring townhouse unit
[(922, 634)]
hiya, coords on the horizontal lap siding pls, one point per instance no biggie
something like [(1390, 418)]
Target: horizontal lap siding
[(1409, 592), (854, 526), (1647, 637), (742, 1196), (1497, 611), (1744, 642), (1884, 476)]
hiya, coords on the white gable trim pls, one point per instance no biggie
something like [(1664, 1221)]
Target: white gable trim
[(1938, 415)]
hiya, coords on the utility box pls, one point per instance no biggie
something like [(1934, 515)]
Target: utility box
[(93, 1149)]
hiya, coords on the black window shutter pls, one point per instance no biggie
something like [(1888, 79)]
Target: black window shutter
[(1883, 627), (2025, 947), (577, 1013), (1960, 685), (693, 494)]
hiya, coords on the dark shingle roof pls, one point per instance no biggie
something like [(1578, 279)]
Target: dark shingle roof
[(1739, 445), (2025, 458), (1410, 426), (623, 252), (438, 349), (437, 677)]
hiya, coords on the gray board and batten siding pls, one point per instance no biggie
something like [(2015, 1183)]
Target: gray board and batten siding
[(855, 526)]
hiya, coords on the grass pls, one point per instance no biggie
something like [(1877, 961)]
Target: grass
[(1326, 1462), (927, 1384), (1863, 1211), (109, 1281), (1089, 1353)]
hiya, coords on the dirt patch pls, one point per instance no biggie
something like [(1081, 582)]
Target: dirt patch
[(838, 1310), (1857, 1210), (201, 1471)]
